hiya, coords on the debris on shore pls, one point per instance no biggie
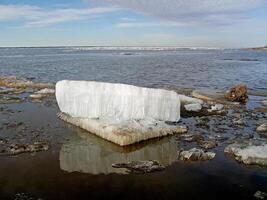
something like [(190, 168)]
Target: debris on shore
[(16, 90), (20, 83), (142, 167), (237, 93)]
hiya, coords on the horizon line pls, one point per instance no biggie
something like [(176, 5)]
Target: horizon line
[(145, 46)]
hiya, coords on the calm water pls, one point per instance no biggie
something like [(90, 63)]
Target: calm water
[(78, 165), (179, 68)]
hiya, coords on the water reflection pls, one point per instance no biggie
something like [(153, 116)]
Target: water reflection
[(89, 154)]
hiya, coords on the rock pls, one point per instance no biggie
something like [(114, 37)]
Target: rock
[(195, 107), (262, 128), (238, 122), (202, 122), (208, 144), (237, 93), (260, 195), (264, 102), (141, 166), (217, 107), (3, 141), (195, 155), (15, 149), (249, 152)]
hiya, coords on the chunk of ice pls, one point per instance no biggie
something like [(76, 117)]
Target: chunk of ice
[(87, 99)]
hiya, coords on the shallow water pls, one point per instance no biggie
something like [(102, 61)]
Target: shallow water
[(78, 164), (173, 68)]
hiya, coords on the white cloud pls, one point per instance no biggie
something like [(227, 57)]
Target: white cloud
[(191, 11), (36, 16), (147, 24)]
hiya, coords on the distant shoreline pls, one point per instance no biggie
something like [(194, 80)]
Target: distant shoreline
[(259, 48), (134, 48)]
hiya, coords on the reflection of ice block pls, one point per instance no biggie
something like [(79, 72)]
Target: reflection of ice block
[(87, 99), (91, 155)]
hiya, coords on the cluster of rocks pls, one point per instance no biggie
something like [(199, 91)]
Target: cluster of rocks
[(149, 166), (227, 122), (245, 147), (20, 83), (19, 138), (16, 90)]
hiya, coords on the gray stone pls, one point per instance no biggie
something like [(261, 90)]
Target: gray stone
[(146, 166), (262, 128), (196, 155)]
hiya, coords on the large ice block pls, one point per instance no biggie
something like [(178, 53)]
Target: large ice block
[(88, 99)]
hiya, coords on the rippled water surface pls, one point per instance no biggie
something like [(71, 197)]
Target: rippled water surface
[(180, 68)]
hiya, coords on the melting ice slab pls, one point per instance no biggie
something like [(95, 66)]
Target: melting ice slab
[(87, 99)]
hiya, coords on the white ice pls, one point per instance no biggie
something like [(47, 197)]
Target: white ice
[(87, 99)]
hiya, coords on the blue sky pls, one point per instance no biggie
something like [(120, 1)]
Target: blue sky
[(203, 23)]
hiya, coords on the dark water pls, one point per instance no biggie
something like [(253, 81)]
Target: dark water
[(179, 68), (78, 164)]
